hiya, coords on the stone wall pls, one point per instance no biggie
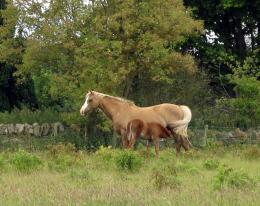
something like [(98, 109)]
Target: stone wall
[(35, 129), (232, 136)]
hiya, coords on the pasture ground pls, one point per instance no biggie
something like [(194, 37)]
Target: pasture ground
[(60, 175)]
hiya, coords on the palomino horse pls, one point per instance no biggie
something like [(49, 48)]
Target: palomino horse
[(149, 131), (176, 118)]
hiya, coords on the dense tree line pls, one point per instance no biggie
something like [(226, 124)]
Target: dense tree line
[(204, 54)]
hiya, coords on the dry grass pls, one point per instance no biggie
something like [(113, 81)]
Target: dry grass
[(96, 183)]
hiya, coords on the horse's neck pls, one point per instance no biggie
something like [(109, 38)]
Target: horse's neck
[(110, 107)]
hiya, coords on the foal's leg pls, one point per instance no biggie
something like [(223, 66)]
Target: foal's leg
[(125, 142)]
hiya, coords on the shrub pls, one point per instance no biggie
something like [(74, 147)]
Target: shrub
[(25, 162), (211, 164), (60, 148), (105, 153), (128, 160), (227, 176), (63, 162), (64, 156), (161, 180)]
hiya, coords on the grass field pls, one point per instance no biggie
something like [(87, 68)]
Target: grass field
[(62, 176)]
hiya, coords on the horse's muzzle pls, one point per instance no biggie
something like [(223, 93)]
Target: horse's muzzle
[(83, 112)]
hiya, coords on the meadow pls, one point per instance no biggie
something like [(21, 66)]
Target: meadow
[(62, 175)]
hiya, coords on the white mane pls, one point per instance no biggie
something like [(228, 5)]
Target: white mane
[(115, 98)]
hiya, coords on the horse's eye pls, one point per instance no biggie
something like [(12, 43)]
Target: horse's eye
[(90, 100)]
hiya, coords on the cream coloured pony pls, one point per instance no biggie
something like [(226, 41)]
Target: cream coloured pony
[(121, 111)]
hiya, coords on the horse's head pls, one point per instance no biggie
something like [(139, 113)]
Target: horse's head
[(91, 102)]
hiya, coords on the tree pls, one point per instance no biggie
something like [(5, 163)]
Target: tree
[(12, 92), (131, 39)]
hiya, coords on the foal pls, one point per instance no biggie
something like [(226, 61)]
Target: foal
[(150, 131)]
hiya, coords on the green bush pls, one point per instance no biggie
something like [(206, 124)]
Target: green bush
[(227, 176), (128, 160), (211, 164), (26, 115), (23, 161), (105, 154)]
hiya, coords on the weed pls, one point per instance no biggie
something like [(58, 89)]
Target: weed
[(23, 161), (77, 174), (63, 162), (128, 160), (60, 148), (229, 177), (105, 153), (211, 164), (185, 166), (161, 180)]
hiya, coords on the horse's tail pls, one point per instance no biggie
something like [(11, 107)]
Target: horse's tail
[(180, 127)]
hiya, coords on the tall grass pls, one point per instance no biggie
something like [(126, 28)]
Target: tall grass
[(81, 178)]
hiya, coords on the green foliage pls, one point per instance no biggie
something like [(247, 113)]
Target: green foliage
[(228, 177), (246, 106), (128, 161), (25, 115), (105, 153), (23, 161), (211, 164)]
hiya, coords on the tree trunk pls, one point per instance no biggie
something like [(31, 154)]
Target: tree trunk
[(240, 40)]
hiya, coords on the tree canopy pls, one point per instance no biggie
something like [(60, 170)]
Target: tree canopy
[(189, 52)]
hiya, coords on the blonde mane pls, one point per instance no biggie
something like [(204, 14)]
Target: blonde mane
[(116, 98)]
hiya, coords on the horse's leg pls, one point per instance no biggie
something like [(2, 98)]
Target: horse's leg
[(178, 144), (125, 142), (156, 146), (147, 149), (185, 143), (177, 141)]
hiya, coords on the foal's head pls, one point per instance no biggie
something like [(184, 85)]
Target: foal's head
[(92, 100)]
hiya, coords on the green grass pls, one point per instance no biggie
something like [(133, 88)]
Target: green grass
[(84, 178)]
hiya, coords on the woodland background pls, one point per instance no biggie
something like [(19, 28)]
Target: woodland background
[(204, 54)]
